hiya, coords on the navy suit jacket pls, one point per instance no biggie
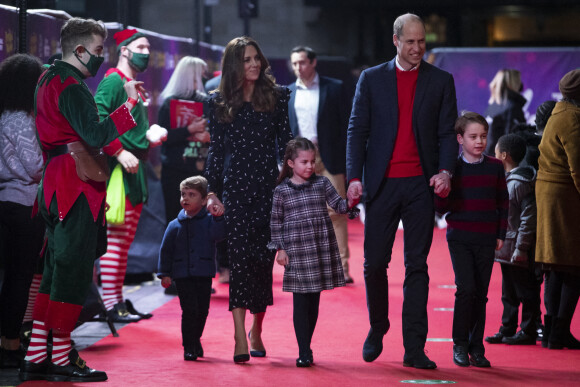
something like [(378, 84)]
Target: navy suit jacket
[(373, 123), (331, 126)]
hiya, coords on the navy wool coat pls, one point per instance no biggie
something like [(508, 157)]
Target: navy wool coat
[(188, 246)]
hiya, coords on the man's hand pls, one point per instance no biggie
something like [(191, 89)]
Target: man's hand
[(133, 88), (441, 183), (128, 161), (354, 192), (215, 206)]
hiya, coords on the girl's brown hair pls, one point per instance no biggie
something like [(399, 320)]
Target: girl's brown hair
[(294, 146), (231, 88)]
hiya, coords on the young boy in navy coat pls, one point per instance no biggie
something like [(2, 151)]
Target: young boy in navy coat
[(187, 256)]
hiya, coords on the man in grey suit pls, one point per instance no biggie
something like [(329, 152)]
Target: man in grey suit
[(318, 111), (401, 144)]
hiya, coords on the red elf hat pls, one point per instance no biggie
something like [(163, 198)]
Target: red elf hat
[(126, 36)]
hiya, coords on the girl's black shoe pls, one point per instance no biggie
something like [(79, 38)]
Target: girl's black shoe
[(303, 361)]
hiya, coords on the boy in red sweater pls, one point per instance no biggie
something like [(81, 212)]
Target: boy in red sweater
[(477, 210)]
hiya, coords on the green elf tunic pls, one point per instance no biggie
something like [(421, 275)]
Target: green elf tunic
[(72, 209), (109, 95)]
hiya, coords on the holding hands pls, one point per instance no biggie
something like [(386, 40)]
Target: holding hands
[(282, 257), (441, 184), (214, 205), (354, 192)]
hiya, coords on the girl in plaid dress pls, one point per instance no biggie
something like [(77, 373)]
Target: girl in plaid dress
[(302, 233)]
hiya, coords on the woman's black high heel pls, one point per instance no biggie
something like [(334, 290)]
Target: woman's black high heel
[(255, 352), (242, 358)]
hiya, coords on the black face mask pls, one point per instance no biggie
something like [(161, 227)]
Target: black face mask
[(93, 64)]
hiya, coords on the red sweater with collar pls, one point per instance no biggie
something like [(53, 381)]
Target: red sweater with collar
[(405, 160)]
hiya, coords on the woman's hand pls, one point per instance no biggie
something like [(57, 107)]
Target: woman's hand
[(198, 125), (215, 206), (201, 137), (282, 257)]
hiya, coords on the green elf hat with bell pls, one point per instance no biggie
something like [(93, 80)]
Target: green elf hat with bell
[(126, 36)]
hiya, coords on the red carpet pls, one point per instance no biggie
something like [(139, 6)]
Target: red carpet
[(149, 353)]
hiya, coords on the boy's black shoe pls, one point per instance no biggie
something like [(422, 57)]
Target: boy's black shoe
[(189, 355), (420, 361), (495, 339), (33, 371), (479, 360), (76, 371), (520, 338), (460, 356), (199, 349)]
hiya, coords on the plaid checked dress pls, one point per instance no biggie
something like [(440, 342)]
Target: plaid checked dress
[(300, 225)]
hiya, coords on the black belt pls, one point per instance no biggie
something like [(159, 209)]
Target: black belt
[(58, 151)]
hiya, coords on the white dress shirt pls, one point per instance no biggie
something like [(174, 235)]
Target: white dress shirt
[(306, 107)]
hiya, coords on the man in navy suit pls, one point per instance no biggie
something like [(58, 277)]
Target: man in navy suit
[(401, 145), (317, 110)]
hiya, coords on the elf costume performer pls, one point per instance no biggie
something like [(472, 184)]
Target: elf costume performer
[(71, 197), (130, 151)]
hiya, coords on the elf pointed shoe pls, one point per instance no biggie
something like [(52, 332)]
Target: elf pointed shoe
[(121, 314), (77, 371)]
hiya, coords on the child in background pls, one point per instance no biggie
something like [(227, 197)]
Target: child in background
[(187, 256), (302, 233), (517, 254), (477, 209)]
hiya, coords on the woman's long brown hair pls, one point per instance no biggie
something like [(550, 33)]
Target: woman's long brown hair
[(231, 88)]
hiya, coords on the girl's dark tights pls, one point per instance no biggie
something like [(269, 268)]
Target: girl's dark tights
[(305, 317)]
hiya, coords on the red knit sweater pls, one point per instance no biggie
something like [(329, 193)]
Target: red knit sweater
[(405, 161)]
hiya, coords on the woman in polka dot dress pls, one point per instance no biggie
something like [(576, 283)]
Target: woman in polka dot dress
[(249, 129)]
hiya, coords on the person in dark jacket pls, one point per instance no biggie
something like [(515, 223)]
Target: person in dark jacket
[(187, 256), (516, 257), (505, 106)]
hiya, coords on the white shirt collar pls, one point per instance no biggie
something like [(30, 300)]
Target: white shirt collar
[(401, 67), (475, 162), (314, 83)]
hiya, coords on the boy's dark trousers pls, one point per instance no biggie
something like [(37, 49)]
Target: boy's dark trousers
[(194, 295), (472, 265), (519, 285), (305, 316)]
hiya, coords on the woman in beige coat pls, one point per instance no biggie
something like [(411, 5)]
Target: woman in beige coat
[(558, 202)]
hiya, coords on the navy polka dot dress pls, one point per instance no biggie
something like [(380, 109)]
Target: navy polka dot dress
[(243, 159)]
